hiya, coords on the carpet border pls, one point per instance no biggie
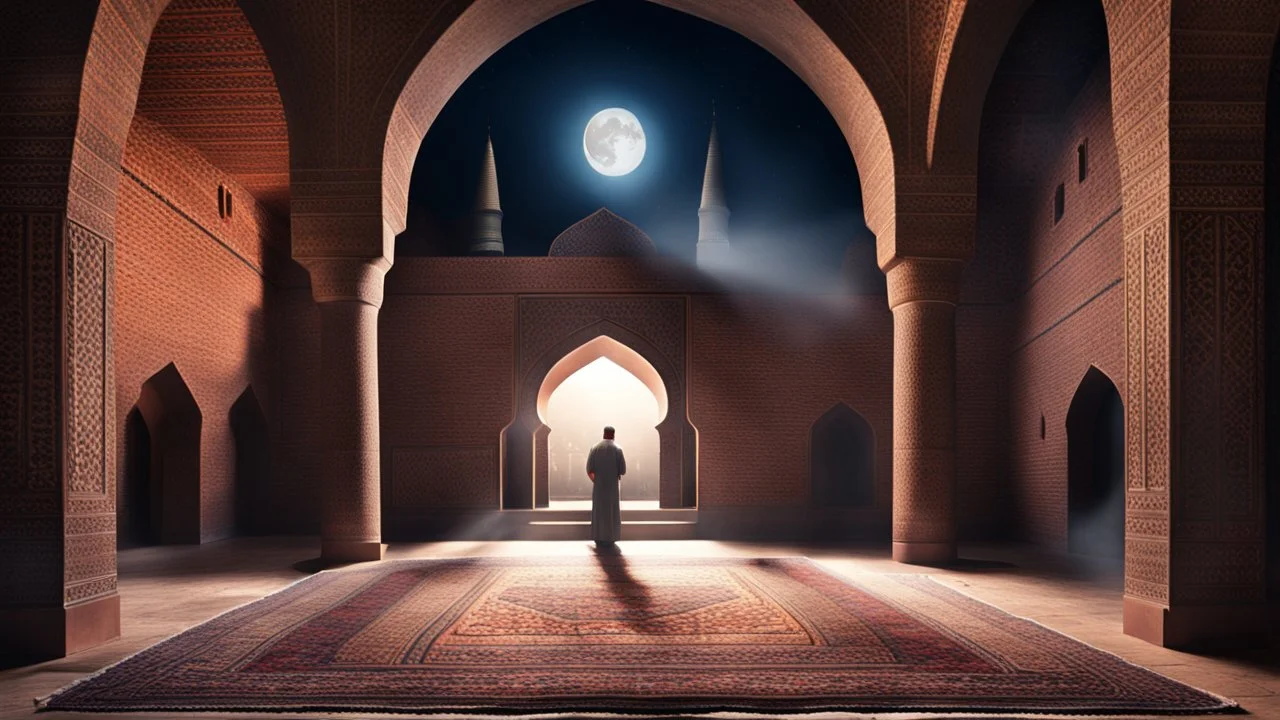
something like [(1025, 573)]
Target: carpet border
[(41, 703), (1227, 706)]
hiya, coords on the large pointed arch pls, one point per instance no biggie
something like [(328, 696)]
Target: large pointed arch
[(780, 26), (84, 60)]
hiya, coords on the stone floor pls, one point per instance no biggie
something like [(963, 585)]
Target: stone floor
[(165, 590)]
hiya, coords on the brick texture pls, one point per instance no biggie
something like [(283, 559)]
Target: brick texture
[(1061, 283), (760, 371), (190, 291)]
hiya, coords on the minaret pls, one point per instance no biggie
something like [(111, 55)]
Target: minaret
[(713, 215), (486, 232)]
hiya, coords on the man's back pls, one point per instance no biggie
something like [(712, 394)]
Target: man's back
[(606, 460)]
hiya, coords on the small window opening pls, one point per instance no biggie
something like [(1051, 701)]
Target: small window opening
[(1042, 426), (224, 202), (1082, 159), (1059, 202)]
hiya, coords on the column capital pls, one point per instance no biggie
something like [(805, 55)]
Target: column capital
[(347, 279), (924, 280)]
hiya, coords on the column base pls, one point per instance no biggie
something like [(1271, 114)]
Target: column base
[(1199, 627), (914, 553), (336, 552), (36, 634)]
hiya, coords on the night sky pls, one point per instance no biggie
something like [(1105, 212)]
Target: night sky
[(789, 176)]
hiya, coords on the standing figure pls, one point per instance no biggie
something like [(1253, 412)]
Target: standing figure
[(606, 466)]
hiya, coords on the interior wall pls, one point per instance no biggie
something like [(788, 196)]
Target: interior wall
[(762, 369), (297, 395), (445, 378), (1062, 281), (190, 290), (1271, 329)]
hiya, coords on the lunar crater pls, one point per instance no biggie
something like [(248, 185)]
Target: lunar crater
[(614, 142)]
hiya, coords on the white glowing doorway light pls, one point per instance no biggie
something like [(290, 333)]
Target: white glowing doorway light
[(602, 383)]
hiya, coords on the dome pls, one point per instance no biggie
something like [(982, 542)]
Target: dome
[(602, 234)]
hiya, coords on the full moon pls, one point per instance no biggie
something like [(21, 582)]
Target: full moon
[(613, 142)]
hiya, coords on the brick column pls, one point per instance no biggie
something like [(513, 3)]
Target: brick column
[(349, 292), (923, 295)]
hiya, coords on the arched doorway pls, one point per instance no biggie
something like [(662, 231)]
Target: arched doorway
[(842, 464), (526, 464), (1095, 468), (586, 390), (601, 393), (172, 421), (251, 436)]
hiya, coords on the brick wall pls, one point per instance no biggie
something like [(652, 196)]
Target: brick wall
[(760, 371), (763, 370), (1063, 283), (293, 321), (190, 290)]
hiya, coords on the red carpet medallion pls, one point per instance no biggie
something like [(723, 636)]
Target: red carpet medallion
[(630, 635)]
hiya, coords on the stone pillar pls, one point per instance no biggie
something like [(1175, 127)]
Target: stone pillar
[(349, 292), (923, 295)]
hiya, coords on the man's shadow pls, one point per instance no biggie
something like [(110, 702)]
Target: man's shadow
[(626, 588)]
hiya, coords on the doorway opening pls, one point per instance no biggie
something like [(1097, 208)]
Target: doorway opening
[(602, 393), (1095, 468)]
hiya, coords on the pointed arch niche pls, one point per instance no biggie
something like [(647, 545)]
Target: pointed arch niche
[(526, 466), (165, 482), (842, 460), (1095, 468)]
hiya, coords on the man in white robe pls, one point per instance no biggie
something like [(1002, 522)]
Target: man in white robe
[(605, 466)]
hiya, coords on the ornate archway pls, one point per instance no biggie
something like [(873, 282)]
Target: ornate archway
[(601, 383), (525, 457)]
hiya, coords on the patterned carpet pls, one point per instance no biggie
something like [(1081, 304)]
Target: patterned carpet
[(630, 635)]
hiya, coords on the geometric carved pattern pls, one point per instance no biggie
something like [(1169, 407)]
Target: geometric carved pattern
[(87, 313), (1216, 532), (12, 349), (1139, 88), (544, 322), (43, 336), (1197, 240), (602, 234)]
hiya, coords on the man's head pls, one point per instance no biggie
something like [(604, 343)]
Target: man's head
[(608, 432)]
